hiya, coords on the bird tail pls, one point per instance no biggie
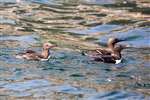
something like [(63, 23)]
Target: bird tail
[(84, 53), (18, 56)]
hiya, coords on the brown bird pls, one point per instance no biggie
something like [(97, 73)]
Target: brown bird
[(114, 57), (110, 54), (32, 55)]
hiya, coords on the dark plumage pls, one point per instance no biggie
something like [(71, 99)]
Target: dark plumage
[(114, 57), (110, 54)]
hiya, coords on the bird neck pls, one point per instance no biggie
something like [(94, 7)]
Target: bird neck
[(111, 46), (45, 53)]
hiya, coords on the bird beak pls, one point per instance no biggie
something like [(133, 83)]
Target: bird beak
[(53, 46), (120, 40)]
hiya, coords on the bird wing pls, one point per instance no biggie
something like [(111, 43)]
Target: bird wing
[(32, 56), (30, 51), (105, 58), (104, 51)]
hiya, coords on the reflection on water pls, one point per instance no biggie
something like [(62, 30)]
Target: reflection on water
[(73, 25), (137, 38), (116, 95), (6, 21), (26, 85), (96, 29)]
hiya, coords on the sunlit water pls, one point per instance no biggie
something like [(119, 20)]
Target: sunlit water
[(68, 75)]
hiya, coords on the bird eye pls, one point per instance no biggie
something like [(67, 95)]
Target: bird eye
[(46, 45)]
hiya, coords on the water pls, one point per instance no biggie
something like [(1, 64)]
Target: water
[(74, 25)]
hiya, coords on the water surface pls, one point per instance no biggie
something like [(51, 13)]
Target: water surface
[(74, 25)]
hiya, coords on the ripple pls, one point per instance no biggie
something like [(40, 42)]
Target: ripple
[(8, 1), (24, 40), (117, 95), (4, 20), (62, 21), (99, 28), (101, 2), (137, 38), (22, 86)]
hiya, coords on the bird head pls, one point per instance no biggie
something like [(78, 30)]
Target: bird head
[(48, 46)]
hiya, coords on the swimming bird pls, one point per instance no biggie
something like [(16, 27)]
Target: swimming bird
[(110, 54), (114, 57), (33, 55)]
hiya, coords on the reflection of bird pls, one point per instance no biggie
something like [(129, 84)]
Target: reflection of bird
[(111, 54), (32, 55)]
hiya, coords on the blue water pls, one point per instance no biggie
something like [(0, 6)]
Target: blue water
[(68, 75)]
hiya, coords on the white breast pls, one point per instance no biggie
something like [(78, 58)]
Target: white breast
[(46, 59), (118, 61)]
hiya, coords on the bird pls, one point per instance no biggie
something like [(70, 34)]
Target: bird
[(115, 57), (33, 55), (105, 51), (110, 54)]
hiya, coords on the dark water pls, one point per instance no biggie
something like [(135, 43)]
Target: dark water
[(68, 75)]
